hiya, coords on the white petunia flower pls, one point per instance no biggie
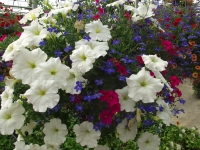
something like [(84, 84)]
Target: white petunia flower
[(31, 15), (86, 135), (33, 34), (154, 63), (25, 64), (52, 146), (53, 69), (71, 4), (116, 3), (9, 81), (20, 145), (19, 136), (47, 20), (129, 8), (82, 59), (43, 94), (37, 147), (11, 118), (99, 48), (148, 141), (98, 31), (28, 127), (102, 147), (178, 147), (7, 97), (160, 76), (143, 11), (125, 101), (143, 86), (71, 81), (62, 11), (127, 130), (164, 111), (55, 132), (12, 50), (171, 144)]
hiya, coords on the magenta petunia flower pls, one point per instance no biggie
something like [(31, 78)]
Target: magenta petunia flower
[(106, 117)]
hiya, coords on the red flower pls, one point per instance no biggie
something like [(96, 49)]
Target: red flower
[(115, 108), (164, 72), (101, 10), (104, 95), (177, 91), (194, 25), (97, 1), (139, 59), (168, 46), (112, 98), (7, 24), (128, 16), (171, 98), (106, 117), (175, 81), (77, 98), (121, 69), (96, 17), (3, 37), (152, 74), (176, 22), (6, 14), (167, 25), (168, 19)]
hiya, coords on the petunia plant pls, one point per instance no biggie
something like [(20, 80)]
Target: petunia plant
[(84, 77)]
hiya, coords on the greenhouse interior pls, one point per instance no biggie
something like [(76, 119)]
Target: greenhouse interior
[(99, 75)]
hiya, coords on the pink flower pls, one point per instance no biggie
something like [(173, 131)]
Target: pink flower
[(122, 70), (101, 10), (96, 17), (97, 1), (115, 108), (177, 92), (175, 81), (103, 96), (168, 46), (139, 59), (19, 34), (106, 117), (3, 37), (112, 98), (152, 74)]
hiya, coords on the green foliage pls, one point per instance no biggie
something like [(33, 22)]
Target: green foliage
[(8, 40), (6, 142)]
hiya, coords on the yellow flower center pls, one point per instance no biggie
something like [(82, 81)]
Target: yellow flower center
[(33, 16), (143, 83), (8, 116), (55, 130), (53, 72), (72, 75), (32, 65), (125, 98), (83, 57), (37, 32), (97, 30), (153, 59), (42, 93)]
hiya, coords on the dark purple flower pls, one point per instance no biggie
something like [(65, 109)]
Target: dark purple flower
[(68, 48)]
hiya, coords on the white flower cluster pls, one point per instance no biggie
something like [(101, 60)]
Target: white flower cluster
[(46, 76)]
